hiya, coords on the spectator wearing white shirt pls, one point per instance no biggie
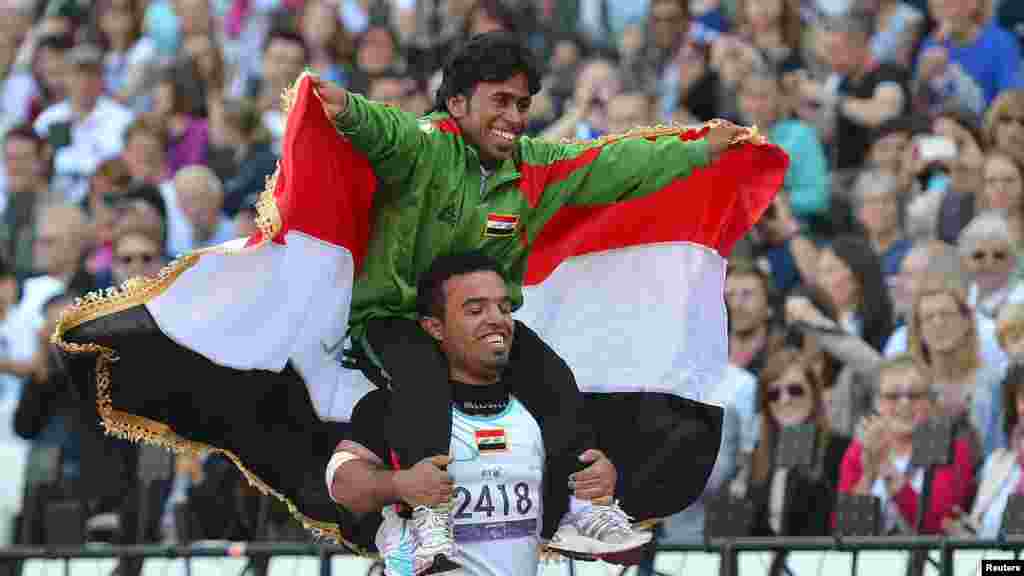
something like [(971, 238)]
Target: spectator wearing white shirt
[(201, 197), (86, 128)]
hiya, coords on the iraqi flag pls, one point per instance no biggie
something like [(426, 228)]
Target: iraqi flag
[(237, 348)]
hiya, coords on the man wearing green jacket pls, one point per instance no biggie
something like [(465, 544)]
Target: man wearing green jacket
[(465, 178)]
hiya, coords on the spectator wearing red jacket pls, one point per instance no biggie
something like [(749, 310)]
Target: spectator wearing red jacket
[(878, 462)]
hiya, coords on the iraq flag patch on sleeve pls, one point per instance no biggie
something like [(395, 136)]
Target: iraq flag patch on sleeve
[(491, 441)]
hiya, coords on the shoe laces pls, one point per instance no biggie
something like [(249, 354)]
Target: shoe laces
[(601, 519), (432, 525)]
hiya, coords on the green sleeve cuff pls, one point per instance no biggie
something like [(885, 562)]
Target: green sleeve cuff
[(347, 121), (701, 154)]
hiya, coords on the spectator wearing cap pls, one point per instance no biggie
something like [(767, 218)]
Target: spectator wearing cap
[(87, 127), (969, 37), (867, 95), (201, 197), (24, 159)]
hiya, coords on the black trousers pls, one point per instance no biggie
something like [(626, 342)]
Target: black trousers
[(536, 376)]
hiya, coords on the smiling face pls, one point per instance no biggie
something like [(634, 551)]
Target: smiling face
[(903, 398), (476, 330), (494, 117)]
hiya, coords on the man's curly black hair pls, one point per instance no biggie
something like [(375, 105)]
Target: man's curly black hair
[(490, 57)]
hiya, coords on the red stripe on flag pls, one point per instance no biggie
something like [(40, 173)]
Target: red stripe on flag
[(713, 207), (489, 433), (328, 196), (534, 178), (502, 218)]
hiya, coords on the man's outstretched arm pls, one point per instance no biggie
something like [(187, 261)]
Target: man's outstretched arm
[(390, 138), (632, 167)]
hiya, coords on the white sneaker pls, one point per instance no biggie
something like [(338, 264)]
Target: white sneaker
[(434, 539), (597, 530)]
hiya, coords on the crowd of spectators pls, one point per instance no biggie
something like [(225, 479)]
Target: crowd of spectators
[(880, 290)]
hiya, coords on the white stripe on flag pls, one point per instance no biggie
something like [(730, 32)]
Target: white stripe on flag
[(260, 307), (666, 334)]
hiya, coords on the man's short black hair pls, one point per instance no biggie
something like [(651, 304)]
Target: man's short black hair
[(430, 289), (490, 57), (287, 34)]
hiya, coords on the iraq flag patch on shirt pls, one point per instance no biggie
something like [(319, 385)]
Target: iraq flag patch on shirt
[(491, 441), (501, 225)]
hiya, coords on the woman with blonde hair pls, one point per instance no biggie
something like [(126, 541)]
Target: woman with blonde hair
[(943, 338), (1004, 124)]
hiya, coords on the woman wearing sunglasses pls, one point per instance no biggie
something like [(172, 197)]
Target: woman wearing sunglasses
[(987, 254), (798, 501), (138, 246), (878, 461)]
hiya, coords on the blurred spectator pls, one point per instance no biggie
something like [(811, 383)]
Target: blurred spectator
[(793, 501), (145, 155), (91, 469), (145, 150), (130, 58), (245, 145), (850, 273), (878, 461), (16, 87), (986, 250), (201, 197), (1004, 124), (773, 29), (329, 44), (762, 103), (587, 117), (27, 188), (86, 128), (866, 96), (138, 246), (41, 83), (188, 135), (944, 341), (1004, 191), (629, 110), (876, 195), (898, 27), (736, 394), (202, 70), (966, 173), (110, 180), (890, 149), (1001, 475), (61, 242), (1010, 330), (754, 327), (969, 39), (400, 91), (283, 58), (781, 249)]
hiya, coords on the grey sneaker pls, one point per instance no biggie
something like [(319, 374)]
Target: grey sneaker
[(596, 530)]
